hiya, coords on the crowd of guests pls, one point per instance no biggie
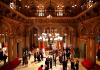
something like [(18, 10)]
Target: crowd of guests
[(74, 64), (50, 60), (64, 59), (38, 56), (65, 56), (48, 63), (26, 56)]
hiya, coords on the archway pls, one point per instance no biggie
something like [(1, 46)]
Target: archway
[(83, 33), (33, 38)]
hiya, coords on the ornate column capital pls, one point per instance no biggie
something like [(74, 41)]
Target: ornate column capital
[(91, 35)]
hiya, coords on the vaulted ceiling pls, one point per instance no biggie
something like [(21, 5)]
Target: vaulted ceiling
[(55, 3), (27, 19), (70, 7), (34, 4)]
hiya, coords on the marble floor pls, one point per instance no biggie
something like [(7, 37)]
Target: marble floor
[(34, 65)]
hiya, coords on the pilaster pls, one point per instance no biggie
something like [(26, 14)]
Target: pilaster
[(91, 48)]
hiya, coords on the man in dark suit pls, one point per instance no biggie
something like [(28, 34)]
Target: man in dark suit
[(77, 65), (65, 64), (50, 62), (35, 56), (72, 65), (47, 64)]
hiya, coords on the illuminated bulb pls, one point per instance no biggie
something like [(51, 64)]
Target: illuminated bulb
[(25, 5), (75, 5), (46, 39), (55, 39), (62, 6), (51, 38), (50, 35), (58, 6), (19, 7), (40, 38), (28, 6), (65, 34), (38, 6)]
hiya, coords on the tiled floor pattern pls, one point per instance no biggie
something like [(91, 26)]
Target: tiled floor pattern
[(34, 65)]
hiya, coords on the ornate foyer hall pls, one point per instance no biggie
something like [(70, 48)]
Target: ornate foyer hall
[(68, 29)]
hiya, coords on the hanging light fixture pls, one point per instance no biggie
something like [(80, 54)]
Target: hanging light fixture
[(49, 10)]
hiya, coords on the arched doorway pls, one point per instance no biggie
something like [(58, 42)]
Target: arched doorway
[(83, 31), (33, 38)]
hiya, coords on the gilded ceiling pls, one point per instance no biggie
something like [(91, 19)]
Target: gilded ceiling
[(45, 3), (55, 22), (69, 7)]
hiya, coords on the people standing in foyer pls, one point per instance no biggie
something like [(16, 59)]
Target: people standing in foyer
[(60, 58), (38, 57), (50, 62), (41, 54), (35, 56), (77, 65), (72, 64), (54, 59), (47, 64)]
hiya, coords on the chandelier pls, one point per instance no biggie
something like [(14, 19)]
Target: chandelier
[(50, 37)]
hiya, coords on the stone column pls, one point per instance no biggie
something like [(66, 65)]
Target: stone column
[(21, 46), (91, 49), (43, 44), (82, 40), (74, 40), (30, 40), (10, 50), (27, 41), (39, 45), (14, 48), (68, 40), (20, 50)]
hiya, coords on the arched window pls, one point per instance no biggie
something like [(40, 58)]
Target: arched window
[(40, 10), (59, 11)]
